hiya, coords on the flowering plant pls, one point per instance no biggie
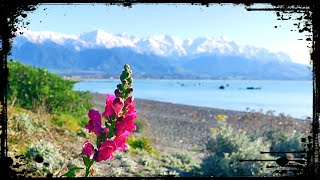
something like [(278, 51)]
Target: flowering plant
[(111, 135)]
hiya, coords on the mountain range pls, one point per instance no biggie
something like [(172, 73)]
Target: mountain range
[(101, 54)]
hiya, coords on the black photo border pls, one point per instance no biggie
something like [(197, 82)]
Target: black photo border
[(14, 11)]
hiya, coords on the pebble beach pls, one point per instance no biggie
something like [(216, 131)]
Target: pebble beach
[(174, 127)]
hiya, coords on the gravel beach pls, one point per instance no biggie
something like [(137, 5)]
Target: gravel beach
[(174, 127)]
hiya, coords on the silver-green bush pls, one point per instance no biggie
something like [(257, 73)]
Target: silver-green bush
[(227, 146), (49, 153), (285, 140), (25, 123)]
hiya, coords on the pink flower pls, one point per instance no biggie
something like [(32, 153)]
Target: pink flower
[(106, 150), (109, 106), (131, 116), (88, 149), (131, 110), (126, 124), (95, 122), (130, 126), (121, 141), (117, 105), (120, 128), (129, 102)]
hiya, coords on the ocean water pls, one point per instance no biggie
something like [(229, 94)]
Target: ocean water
[(292, 98)]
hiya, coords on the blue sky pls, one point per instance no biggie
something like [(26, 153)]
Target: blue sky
[(184, 21)]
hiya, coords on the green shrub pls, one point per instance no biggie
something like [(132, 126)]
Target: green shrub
[(184, 161), (285, 141), (227, 147), (140, 143), (25, 123), (32, 88)]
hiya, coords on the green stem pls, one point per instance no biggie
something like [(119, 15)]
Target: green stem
[(87, 171), (111, 129), (89, 167)]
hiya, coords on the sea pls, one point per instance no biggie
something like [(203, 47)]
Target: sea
[(292, 98)]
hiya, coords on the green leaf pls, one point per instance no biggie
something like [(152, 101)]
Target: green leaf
[(86, 160), (71, 171), (75, 168), (70, 174)]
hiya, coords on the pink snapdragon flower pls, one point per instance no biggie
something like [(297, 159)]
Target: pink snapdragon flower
[(120, 115), (106, 150), (121, 141), (126, 124), (129, 102), (131, 110), (117, 106), (109, 106), (95, 122), (114, 106), (88, 149)]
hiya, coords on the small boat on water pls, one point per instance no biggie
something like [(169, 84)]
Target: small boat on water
[(253, 88)]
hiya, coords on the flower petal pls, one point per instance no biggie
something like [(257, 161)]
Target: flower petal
[(95, 122), (106, 150), (109, 106), (117, 105)]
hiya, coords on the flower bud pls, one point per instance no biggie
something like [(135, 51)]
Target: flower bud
[(120, 87), (117, 93), (124, 75), (88, 149), (130, 90), (130, 80), (126, 67), (124, 82)]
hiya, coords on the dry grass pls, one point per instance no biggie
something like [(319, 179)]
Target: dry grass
[(22, 137)]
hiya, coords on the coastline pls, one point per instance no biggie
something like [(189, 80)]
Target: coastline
[(108, 79), (177, 126)]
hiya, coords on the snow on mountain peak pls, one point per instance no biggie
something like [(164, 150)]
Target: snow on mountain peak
[(103, 38), (41, 36), (161, 45)]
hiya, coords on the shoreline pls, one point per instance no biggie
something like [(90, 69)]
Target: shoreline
[(173, 79), (248, 110), (179, 126)]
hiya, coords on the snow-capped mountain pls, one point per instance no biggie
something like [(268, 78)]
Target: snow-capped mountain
[(100, 38), (161, 45), (171, 55)]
